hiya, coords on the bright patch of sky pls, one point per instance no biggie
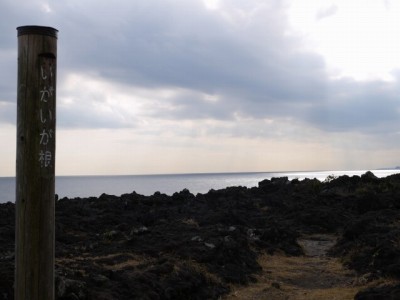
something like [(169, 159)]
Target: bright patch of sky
[(357, 38)]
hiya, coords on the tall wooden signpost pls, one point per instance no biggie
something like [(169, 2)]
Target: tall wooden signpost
[(35, 170)]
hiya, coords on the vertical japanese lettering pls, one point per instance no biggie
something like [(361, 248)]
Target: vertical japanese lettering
[(46, 104)]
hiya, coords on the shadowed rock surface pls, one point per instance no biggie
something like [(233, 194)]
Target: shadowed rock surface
[(189, 246)]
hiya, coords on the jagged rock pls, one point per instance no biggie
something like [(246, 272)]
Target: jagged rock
[(386, 292), (68, 289), (100, 280), (192, 247), (368, 177), (209, 245), (280, 180), (196, 239), (139, 230)]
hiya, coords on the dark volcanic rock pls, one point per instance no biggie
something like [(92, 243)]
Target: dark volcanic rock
[(386, 292), (371, 243), (192, 247)]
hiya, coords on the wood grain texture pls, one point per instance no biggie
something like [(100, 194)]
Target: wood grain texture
[(35, 165)]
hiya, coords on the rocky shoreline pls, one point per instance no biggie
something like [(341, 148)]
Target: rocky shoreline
[(189, 246)]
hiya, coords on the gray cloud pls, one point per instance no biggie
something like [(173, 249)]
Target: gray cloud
[(243, 58), (326, 12), (369, 107)]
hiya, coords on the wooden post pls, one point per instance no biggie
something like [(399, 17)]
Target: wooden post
[(35, 167)]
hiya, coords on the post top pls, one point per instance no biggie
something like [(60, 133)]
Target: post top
[(40, 30)]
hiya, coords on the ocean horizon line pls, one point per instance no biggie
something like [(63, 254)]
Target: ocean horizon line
[(71, 186), (224, 173)]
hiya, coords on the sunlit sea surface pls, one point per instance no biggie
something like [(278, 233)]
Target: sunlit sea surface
[(88, 186)]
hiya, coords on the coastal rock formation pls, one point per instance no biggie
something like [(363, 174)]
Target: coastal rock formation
[(189, 246)]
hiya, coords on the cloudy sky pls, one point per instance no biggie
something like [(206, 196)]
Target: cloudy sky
[(187, 86)]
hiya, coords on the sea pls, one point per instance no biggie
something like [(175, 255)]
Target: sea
[(94, 186)]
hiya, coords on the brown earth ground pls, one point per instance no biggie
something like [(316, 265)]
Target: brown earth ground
[(314, 276)]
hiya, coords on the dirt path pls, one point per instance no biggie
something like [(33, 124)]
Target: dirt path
[(313, 276)]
